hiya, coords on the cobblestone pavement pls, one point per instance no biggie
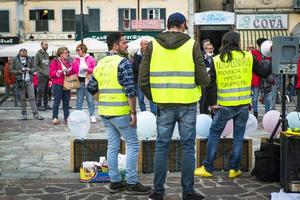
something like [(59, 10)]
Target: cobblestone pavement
[(35, 164)]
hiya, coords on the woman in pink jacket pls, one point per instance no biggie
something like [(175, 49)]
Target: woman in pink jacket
[(59, 68), (83, 66)]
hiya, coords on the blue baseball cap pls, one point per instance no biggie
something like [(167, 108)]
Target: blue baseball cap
[(176, 18)]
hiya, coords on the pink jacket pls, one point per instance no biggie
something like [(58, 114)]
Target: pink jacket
[(54, 67), (90, 62)]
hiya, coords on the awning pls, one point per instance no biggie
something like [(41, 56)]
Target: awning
[(250, 36)]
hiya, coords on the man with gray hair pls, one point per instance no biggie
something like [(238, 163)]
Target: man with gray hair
[(23, 68), (41, 62)]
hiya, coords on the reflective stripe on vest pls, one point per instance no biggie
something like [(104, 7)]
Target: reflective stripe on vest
[(172, 74), (234, 79), (112, 99)]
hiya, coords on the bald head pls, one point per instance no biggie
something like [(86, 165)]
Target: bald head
[(143, 45)]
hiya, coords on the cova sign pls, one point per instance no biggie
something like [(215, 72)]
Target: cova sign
[(263, 21)]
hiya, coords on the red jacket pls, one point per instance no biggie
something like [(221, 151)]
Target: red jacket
[(255, 78), (298, 74), (9, 78), (54, 67)]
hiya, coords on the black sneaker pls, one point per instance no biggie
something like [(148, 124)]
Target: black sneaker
[(47, 107), (155, 196), (40, 108), (193, 196), (137, 189), (24, 117), (117, 187)]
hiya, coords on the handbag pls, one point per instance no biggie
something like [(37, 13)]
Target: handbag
[(71, 82)]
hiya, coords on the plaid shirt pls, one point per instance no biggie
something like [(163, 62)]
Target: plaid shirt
[(125, 78)]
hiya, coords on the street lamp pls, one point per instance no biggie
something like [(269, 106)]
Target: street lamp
[(81, 21)]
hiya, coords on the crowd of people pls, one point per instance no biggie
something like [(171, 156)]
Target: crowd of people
[(174, 74)]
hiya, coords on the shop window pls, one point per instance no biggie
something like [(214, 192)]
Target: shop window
[(125, 17), (153, 13)]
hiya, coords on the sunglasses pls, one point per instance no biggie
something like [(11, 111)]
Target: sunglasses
[(78, 49)]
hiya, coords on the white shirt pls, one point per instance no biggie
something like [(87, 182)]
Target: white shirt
[(26, 78), (83, 66)]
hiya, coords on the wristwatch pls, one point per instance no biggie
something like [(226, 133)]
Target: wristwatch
[(133, 112)]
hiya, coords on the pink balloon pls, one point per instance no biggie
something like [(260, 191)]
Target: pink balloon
[(270, 120), (228, 129)]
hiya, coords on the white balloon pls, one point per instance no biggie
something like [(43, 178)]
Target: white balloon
[(176, 131), (203, 125), (293, 119), (266, 48), (251, 125), (79, 124), (146, 125)]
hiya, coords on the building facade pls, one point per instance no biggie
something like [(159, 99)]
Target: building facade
[(60, 19)]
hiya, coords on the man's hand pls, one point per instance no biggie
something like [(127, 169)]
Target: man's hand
[(215, 108), (133, 120)]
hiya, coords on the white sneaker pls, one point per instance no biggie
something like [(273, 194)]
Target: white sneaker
[(93, 119)]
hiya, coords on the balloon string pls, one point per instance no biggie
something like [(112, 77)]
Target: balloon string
[(83, 148)]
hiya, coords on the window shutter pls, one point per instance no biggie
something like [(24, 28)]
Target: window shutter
[(163, 13), (32, 14), (133, 14), (50, 14), (94, 20), (121, 12), (4, 21), (144, 13), (163, 17)]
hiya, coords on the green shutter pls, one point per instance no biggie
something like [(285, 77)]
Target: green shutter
[(121, 12), (32, 14), (133, 14), (50, 14), (144, 13)]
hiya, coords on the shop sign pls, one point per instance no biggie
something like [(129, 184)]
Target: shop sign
[(262, 21), (130, 36), (214, 18), (9, 40), (150, 24)]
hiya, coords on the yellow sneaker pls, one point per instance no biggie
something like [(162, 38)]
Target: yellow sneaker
[(201, 171), (233, 173)]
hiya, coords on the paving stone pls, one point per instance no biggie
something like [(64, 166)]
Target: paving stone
[(74, 186), (243, 181), (227, 183), (79, 196), (34, 191), (268, 189), (131, 198), (13, 191), (248, 194), (222, 191), (92, 190), (114, 197), (252, 186), (173, 197), (51, 197), (209, 183), (230, 198), (53, 189)]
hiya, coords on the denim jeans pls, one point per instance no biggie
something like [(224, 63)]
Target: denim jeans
[(59, 95), (255, 94), (185, 116), (142, 102), (81, 92), (274, 92), (268, 101), (240, 115), (117, 127)]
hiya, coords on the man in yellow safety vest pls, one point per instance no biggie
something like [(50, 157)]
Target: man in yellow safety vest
[(113, 80), (171, 75)]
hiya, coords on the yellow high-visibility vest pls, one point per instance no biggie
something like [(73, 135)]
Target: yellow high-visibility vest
[(112, 99), (172, 74), (234, 79)]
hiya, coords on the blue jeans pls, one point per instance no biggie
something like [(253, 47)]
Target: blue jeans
[(274, 92), (117, 127), (59, 95), (8, 90), (166, 119), (142, 102), (255, 94), (268, 101), (81, 92), (240, 115)]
